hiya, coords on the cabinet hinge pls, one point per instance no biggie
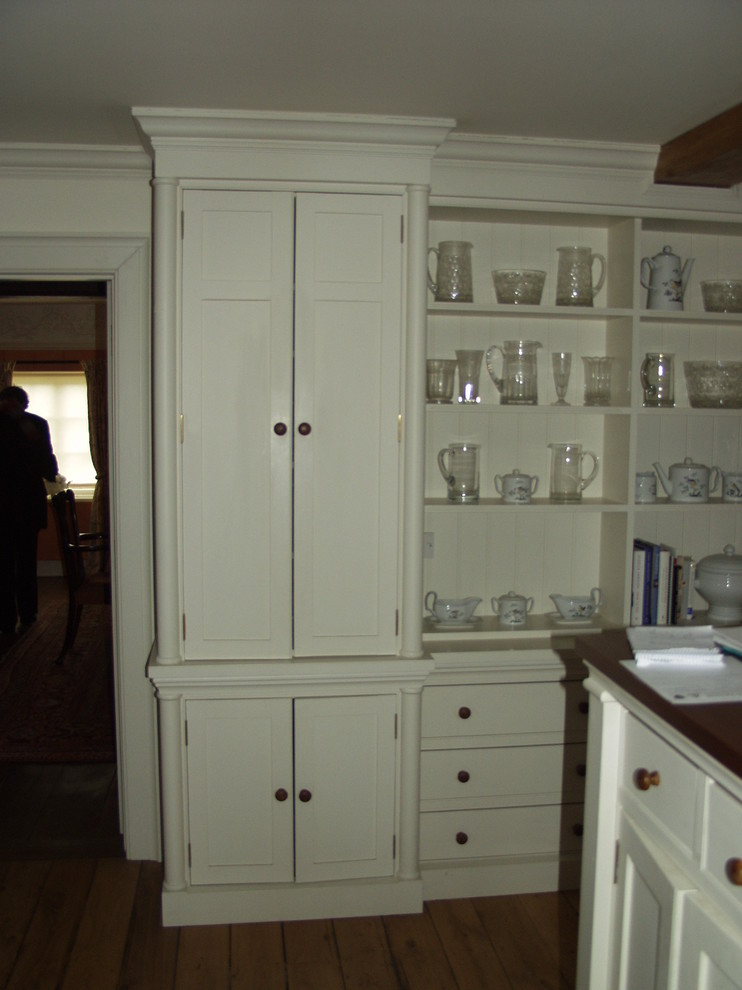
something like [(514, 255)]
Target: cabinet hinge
[(190, 860), (395, 725), (182, 427), (399, 428), (615, 864), (401, 229), (184, 626), (396, 622), (394, 847), (182, 224), (185, 732)]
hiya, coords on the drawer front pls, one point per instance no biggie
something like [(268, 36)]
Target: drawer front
[(500, 832), (504, 775), (722, 851), (661, 783), (510, 710)]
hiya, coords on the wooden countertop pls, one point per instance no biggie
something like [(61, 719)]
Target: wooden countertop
[(715, 728)]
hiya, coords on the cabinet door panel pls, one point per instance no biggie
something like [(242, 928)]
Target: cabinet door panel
[(710, 949), (347, 388), (236, 383), (345, 758), (648, 895), (239, 755)]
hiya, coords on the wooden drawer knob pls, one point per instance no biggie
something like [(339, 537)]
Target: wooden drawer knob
[(280, 429), (462, 838), (305, 429), (281, 794), (463, 776), (644, 779), (305, 795), (734, 871), (464, 712)]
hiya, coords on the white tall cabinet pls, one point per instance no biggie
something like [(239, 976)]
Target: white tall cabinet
[(291, 398), (289, 309)]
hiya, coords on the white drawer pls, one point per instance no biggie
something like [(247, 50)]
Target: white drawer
[(722, 848), (500, 832), (513, 711), (661, 784), (503, 775)]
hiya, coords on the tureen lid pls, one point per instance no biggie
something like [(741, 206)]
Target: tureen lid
[(726, 562)]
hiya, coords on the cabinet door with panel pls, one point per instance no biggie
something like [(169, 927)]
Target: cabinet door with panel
[(710, 948), (291, 344), (283, 790)]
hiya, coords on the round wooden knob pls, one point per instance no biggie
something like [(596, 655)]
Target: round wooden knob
[(464, 712), (734, 871), (305, 429), (281, 794), (462, 838), (644, 779), (463, 776), (280, 429), (305, 795)]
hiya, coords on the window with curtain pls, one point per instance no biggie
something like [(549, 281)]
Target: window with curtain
[(61, 397)]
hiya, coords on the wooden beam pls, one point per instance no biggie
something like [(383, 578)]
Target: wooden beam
[(707, 155)]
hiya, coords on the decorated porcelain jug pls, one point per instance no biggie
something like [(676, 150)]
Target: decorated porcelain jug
[(688, 482), (665, 278)]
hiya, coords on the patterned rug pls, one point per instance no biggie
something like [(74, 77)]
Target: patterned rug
[(58, 714)]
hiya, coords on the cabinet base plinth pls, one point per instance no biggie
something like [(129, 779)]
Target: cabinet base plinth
[(495, 878), (224, 905)]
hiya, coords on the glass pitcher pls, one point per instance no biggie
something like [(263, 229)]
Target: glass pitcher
[(453, 279), (575, 276), (459, 465), (518, 384), (567, 480)]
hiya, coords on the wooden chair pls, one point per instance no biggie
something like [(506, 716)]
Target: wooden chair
[(82, 588)]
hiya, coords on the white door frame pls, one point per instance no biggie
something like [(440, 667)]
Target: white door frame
[(125, 263)]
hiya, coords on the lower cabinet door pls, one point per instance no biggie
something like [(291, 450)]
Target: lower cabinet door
[(710, 948), (345, 752), (240, 808), (648, 900)]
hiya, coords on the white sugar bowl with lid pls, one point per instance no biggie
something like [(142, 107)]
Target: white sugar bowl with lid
[(516, 487), (719, 581)]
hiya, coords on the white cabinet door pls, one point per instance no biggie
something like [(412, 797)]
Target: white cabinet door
[(239, 772), (347, 389), (648, 895), (344, 787), (710, 949), (236, 382)]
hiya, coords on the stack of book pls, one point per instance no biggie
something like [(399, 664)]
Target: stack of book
[(661, 585)]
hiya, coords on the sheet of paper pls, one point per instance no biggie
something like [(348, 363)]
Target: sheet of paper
[(693, 685)]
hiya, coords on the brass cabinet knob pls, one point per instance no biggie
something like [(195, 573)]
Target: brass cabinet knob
[(464, 712), (462, 838), (463, 776), (281, 794), (305, 429), (734, 871), (280, 429), (644, 779), (305, 795)]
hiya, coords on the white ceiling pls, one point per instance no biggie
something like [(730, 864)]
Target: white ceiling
[(638, 71)]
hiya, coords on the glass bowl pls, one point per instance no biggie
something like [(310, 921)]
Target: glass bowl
[(516, 286), (714, 384), (722, 295)]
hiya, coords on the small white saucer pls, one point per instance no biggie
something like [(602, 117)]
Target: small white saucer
[(451, 624), (556, 617)]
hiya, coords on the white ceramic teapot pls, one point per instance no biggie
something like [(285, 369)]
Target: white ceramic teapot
[(688, 482), (665, 279)]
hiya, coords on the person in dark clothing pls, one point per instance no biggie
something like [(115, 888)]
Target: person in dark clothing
[(26, 459)]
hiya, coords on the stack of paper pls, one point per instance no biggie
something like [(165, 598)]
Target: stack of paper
[(675, 645)]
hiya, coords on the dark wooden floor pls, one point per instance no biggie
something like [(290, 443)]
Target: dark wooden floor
[(76, 915)]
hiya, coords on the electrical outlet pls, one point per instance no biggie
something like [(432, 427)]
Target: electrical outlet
[(428, 545)]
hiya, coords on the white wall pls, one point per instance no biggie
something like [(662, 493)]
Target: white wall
[(68, 212)]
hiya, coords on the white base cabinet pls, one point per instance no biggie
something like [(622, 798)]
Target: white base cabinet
[(502, 773), (661, 897)]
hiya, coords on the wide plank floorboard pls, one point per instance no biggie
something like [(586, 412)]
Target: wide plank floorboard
[(94, 924)]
